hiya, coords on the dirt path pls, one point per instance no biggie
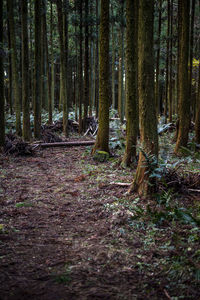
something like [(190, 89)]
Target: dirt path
[(54, 231), (58, 240)]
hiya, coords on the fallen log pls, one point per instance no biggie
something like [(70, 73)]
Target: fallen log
[(64, 144)]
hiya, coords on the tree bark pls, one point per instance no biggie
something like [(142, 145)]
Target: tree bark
[(183, 100), (37, 81), (26, 132), (103, 131), (142, 183), (2, 116), (15, 76), (132, 125)]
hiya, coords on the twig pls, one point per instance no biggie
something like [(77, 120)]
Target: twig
[(167, 295)]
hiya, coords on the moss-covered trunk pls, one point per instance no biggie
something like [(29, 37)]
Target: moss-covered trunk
[(132, 125), (26, 132), (2, 116), (142, 183), (183, 97), (15, 76), (103, 131)]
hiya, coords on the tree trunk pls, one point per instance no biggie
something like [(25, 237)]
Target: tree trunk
[(183, 100), (131, 77), (167, 63), (121, 102), (97, 61), (170, 63), (103, 131), (157, 96), (37, 83), (197, 118), (62, 29), (15, 76), (2, 116), (191, 52), (143, 183), (80, 67), (113, 61), (86, 66), (26, 132)]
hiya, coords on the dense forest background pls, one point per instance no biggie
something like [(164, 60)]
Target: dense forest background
[(51, 59), (92, 93)]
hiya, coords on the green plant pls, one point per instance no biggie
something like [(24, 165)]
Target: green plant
[(23, 204)]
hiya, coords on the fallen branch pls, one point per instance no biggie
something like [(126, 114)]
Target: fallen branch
[(65, 144), (193, 190), (125, 184)]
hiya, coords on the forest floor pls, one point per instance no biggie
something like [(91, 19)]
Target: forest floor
[(68, 232)]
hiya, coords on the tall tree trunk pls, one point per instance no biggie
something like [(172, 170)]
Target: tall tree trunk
[(2, 116), (37, 81), (143, 183), (80, 66), (97, 61), (31, 66), (10, 91), (86, 66), (62, 28), (103, 131), (113, 60), (26, 132), (191, 51), (170, 62), (15, 76), (131, 77), (197, 117), (157, 96), (184, 101), (167, 62), (43, 58), (121, 100), (51, 68)]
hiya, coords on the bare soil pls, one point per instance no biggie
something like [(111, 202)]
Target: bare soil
[(59, 241)]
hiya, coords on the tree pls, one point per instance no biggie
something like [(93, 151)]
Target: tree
[(62, 29), (158, 57), (142, 183), (131, 78), (80, 65), (25, 73), (183, 92), (97, 61), (2, 116), (15, 75), (121, 98), (103, 131), (197, 118), (86, 66), (37, 81)]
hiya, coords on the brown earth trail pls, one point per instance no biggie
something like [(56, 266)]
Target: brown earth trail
[(59, 241)]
